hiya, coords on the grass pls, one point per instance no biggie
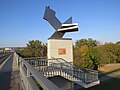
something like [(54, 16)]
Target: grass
[(109, 72), (114, 70)]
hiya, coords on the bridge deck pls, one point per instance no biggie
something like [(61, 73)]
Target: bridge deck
[(9, 75)]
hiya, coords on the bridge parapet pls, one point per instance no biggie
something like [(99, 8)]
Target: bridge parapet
[(60, 67), (33, 79)]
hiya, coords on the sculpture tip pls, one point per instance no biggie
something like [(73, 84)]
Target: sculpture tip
[(48, 6)]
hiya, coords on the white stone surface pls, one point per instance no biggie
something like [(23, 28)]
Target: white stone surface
[(55, 45)]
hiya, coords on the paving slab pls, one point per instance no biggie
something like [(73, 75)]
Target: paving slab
[(9, 75)]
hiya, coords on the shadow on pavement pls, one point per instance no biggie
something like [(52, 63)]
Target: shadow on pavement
[(5, 74)]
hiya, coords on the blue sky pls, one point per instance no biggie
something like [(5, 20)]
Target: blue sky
[(22, 20)]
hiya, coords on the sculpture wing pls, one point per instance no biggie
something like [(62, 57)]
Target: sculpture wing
[(69, 21), (49, 15), (61, 28)]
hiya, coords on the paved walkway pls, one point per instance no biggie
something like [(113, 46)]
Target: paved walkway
[(9, 75), (109, 76), (110, 67)]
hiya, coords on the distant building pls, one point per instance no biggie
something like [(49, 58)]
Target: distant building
[(8, 49)]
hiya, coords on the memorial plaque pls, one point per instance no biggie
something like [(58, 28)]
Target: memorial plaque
[(62, 51)]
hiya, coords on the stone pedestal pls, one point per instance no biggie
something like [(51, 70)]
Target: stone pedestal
[(60, 48)]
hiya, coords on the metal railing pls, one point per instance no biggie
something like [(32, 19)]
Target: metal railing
[(58, 66), (3, 57), (33, 79)]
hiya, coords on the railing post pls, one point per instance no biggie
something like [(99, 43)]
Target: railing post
[(28, 75), (21, 64)]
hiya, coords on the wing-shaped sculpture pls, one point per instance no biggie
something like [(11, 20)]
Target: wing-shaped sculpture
[(61, 28)]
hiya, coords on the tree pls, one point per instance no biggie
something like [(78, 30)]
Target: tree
[(90, 57), (94, 57), (83, 52), (111, 50), (103, 55), (35, 48), (109, 53), (117, 52), (88, 54), (81, 42), (76, 56), (118, 42), (90, 42)]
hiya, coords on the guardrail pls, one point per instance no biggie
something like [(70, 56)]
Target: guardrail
[(33, 79), (58, 66), (3, 57)]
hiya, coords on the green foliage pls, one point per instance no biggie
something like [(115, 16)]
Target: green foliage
[(81, 42), (35, 48), (89, 53), (90, 42), (91, 58), (76, 54), (109, 53)]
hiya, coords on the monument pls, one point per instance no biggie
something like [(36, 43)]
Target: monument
[(59, 47)]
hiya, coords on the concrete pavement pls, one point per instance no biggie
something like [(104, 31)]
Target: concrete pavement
[(9, 75)]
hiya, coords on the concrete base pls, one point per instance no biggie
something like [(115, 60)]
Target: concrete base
[(88, 85), (60, 48)]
